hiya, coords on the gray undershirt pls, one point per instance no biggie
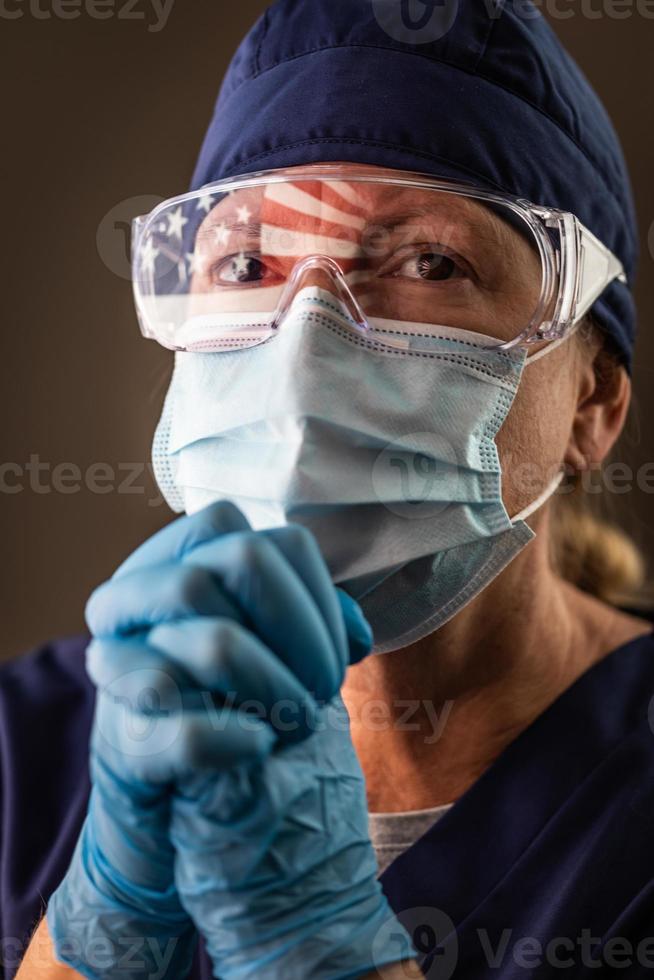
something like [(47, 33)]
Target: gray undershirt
[(393, 833)]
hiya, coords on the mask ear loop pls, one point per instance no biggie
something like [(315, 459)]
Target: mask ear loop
[(536, 504), (555, 483)]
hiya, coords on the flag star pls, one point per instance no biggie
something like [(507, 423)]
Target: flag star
[(149, 255), (176, 222), (222, 233), (181, 272), (244, 214), (205, 203), (193, 261)]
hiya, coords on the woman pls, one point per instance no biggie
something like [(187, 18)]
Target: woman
[(386, 361)]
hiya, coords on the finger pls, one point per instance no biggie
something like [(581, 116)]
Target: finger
[(301, 551), (159, 749), (183, 664), (223, 657), (129, 670), (358, 629), (172, 541), (277, 605), (140, 811), (152, 595)]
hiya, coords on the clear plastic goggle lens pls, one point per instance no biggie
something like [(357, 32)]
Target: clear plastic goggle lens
[(217, 270)]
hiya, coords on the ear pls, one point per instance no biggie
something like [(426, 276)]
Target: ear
[(604, 394)]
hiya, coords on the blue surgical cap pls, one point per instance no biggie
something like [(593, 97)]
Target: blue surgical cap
[(475, 90)]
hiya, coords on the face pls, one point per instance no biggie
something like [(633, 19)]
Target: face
[(422, 256)]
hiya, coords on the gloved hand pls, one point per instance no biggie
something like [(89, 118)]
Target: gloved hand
[(117, 909), (274, 861), (276, 867)]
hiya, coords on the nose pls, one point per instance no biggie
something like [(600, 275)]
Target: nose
[(320, 272)]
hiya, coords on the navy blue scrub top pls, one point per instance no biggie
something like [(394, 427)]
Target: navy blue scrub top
[(554, 844)]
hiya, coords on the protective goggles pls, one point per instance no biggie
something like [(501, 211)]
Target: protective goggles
[(409, 257)]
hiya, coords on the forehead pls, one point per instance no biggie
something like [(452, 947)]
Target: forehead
[(356, 196)]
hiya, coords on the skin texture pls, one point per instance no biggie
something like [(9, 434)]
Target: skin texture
[(489, 672)]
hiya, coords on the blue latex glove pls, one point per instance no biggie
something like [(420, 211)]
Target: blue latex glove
[(274, 861), (117, 909), (276, 867)]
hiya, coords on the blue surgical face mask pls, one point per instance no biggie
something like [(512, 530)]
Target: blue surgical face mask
[(387, 455)]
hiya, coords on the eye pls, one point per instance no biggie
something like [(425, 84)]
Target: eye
[(430, 266), (241, 269)]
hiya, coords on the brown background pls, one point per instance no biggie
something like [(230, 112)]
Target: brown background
[(95, 113)]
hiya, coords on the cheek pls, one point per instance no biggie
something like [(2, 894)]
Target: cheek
[(533, 440)]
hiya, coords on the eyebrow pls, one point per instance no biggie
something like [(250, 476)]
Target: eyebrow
[(391, 221), (250, 228)]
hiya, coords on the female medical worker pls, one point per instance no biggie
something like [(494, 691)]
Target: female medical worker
[(386, 357)]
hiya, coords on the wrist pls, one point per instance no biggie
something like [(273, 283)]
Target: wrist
[(100, 923), (357, 941), (337, 933)]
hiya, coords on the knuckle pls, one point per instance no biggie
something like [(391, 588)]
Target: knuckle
[(250, 551), (93, 611), (218, 513), (96, 659), (301, 538), (219, 643)]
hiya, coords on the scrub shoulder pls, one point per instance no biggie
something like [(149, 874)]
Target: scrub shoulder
[(46, 711)]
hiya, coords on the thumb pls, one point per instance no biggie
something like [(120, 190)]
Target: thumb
[(359, 632)]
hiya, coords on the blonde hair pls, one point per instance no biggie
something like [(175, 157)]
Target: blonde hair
[(589, 546), (596, 554)]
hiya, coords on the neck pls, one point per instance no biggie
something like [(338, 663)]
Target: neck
[(427, 720)]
